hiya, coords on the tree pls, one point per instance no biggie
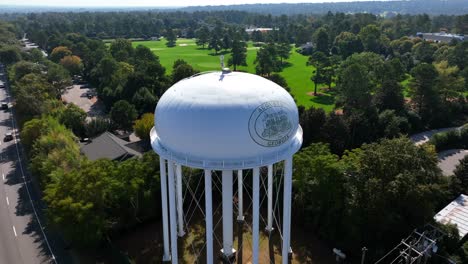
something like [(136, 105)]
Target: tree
[(267, 60), (58, 53), (123, 114), (58, 76), (97, 126), (320, 61), (9, 54), (171, 38), (181, 70), (449, 84), (348, 44), (319, 188), (203, 36), (424, 51), (422, 89), (73, 64), (370, 37), (461, 172), (354, 86), (238, 54), (390, 96), (121, 49), (22, 68), (144, 125), (395, 175), (215, 43), (284, 51), (73, 118), (312, 120), (320, 39)]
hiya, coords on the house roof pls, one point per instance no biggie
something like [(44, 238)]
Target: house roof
[(455, 213), (108, 146)]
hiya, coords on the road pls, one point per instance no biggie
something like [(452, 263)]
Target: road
[(449, 159), (22, 235)]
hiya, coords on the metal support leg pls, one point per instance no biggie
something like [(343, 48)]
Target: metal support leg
[(287, 210), (269, 227), (255, 215), (208, 218), (228, 251), (180, 202), (163, 176), (240, 215), (172, 211)]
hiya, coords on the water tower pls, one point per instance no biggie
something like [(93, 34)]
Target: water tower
[(224, 122)]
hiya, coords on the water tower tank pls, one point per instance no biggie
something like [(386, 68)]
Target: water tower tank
[(226, 120)]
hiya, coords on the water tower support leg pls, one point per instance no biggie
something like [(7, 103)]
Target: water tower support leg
[(172, 211), (287, 210), (269, 227), (240, 216), (162, 169), (180, 202), (209, 218), (227, 251), (255, 215)]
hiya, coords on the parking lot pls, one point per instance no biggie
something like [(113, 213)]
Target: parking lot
[(84, 98)]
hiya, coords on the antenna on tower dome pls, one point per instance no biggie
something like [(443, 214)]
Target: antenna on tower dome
[(221, 58)]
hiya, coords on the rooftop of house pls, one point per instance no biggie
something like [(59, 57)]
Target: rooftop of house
[(108, 146)]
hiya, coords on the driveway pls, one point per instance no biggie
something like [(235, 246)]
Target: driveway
[(449, 159), (425, 136), (78, 95)]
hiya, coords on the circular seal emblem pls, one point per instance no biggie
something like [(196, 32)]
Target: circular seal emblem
[(270, 124)]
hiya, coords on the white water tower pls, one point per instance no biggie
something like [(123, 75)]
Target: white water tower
[(229, 122)]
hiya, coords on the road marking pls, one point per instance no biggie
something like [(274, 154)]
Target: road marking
[(7, 201), (14, 231)]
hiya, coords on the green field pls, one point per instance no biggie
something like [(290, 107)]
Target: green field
[(297, 74)]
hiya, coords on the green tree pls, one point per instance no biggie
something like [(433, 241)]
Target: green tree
[(73, 118), (181, 70), (215, 43), (370, 37), (321, 40), (121, 49), (390, 96), (203, 36), (123, 114), (354, 86), (144, 125), (320, 61), (450, 84), (9, 54), (284, 51), (238, 54), (171, 38), (267, 60), (461, 173), (423, 89), (58, 76), (424, 51), (348, 44)]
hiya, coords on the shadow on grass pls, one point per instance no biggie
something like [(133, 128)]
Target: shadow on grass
[(224, 52), (324, 99)]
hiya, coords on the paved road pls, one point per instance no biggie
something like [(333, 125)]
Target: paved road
[(425, 136), (22, 237), (449, 159)]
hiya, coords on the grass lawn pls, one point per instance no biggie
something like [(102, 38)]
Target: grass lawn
[(296, 73)]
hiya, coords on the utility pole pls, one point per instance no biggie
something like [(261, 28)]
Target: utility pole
[(364, 249)]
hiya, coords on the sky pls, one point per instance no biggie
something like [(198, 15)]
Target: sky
[(159, 3)]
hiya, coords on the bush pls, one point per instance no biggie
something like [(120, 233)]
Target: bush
[(447, 140)]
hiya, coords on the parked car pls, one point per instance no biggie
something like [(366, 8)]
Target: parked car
[(4, 106), (8, 136)]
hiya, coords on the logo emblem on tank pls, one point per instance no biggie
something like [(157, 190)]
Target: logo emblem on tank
[(270, 124)]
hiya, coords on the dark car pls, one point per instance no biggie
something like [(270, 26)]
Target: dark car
[(8, 136), (4, 106)]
